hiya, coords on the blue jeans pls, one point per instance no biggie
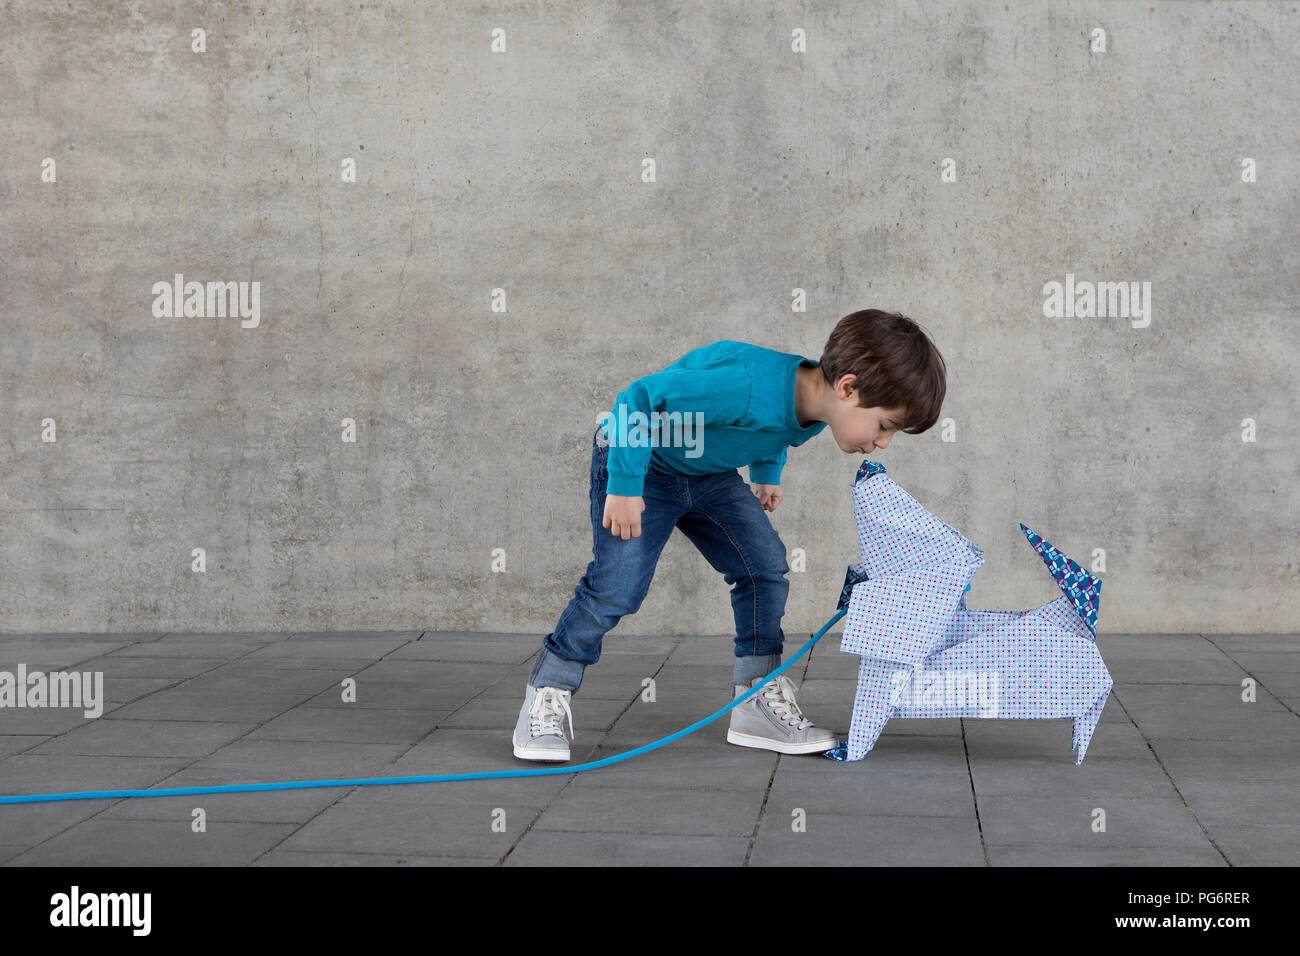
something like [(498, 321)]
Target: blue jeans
[(721, 516)]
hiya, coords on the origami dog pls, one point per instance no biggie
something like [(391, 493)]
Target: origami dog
[(925, 654)]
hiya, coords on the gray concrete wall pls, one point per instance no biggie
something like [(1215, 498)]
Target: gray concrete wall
[(521, 170)]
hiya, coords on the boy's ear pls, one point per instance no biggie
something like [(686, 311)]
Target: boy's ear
[(846, 386)]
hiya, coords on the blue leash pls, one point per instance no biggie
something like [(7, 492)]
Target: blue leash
[(434, 778)]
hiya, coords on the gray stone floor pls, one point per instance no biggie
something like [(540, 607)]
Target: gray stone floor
[(1187, 774)]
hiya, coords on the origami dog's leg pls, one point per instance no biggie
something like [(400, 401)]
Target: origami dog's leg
[(1085, 724), (879, 685)]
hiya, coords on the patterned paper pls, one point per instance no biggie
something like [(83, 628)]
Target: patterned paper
[(925, 654)]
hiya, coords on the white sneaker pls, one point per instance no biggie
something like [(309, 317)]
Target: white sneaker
[(771, 720), (539, 731)]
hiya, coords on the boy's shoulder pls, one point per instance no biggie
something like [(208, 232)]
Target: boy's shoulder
[(731, 350)]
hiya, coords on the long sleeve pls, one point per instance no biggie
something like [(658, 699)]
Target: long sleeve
[(720, 393), (767, 471)]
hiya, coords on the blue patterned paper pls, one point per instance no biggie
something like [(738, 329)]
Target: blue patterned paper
[(923, 653)]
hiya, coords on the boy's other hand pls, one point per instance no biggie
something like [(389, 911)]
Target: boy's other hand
[(769, 496), (623, 515)]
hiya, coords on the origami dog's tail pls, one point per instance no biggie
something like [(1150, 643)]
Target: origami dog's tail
[(1083, 590)]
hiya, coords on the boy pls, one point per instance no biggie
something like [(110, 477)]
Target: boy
[(878, 374)]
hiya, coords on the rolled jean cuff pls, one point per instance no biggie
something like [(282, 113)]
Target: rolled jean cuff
[(552, 671), (747, 668)]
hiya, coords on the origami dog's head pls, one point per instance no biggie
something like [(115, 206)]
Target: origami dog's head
[(897, 534)]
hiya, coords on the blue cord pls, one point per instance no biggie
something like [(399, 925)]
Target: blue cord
[(435, 778)]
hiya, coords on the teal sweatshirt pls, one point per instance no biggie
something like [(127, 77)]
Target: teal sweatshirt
[(722, 406)]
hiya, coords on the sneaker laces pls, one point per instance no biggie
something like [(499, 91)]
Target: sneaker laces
[(546, 716), (779, 695)]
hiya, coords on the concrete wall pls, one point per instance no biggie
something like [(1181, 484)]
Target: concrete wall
[(522, 171)]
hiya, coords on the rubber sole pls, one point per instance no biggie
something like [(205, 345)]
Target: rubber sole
[(550, 756), (766, 743)]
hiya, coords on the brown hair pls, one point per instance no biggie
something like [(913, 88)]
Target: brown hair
[(893, 362)]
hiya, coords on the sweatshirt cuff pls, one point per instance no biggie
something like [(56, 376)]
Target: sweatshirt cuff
[(629, 486), (765, 474)]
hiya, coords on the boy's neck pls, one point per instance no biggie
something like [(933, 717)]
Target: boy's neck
[(810, 396)]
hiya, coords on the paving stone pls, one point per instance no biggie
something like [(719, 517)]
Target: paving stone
[(615, 643), (1233, 802), (594, 686), (402, 828), (535, 792), (303, 760), (1078, 856), (646, 725), (1264, 663), (1256, 845), (866, 840), (554, 848), (247, 678), (1066, 820), (104, 842), (84, 637), (1224, 670), (109, 736), (738, 768), (1269, 758), (712, 676), (840, 666), (48, 721), (654, 810), (463, 652), (1099, 776), (118, 666), (68, 773), (267, 806), (227, 647), (915, 753), (346, 724), (1205, 712), (123, 690), (17, 743), (872, 794), (177, 704), (9, 852), (1282, 685), (27, 824), (1156, 647), (342, 648), (1284, 643), (54, 651), (303, 858)]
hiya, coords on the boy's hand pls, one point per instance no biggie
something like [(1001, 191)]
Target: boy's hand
[(623, 515), (769, 496)]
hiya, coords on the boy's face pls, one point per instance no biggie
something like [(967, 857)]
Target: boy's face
[(860, 431)]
